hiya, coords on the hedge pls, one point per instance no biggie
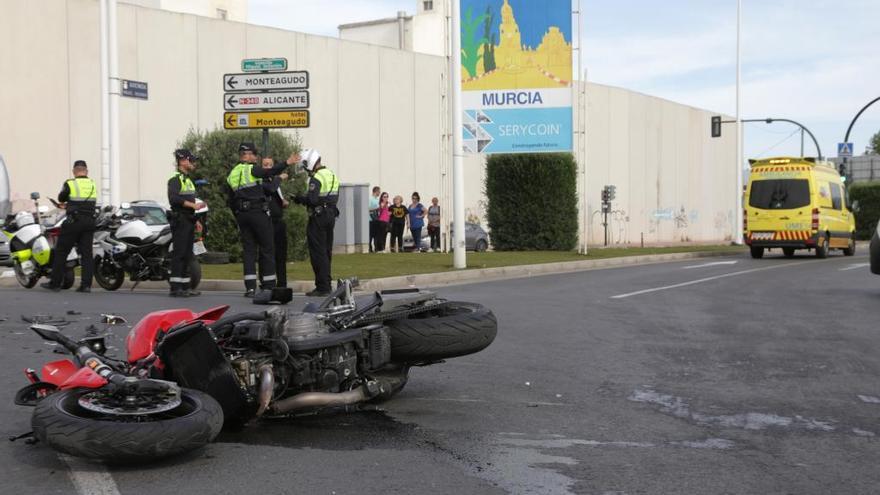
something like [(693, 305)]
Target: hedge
[(218, 153), (868, 196), (532, 201)]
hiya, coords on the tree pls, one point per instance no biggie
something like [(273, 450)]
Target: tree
[(218, 152), (874, 145)]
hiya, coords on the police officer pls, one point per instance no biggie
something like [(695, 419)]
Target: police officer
[(248, 201), (277, 204), (80, 195), (321, 199), (182, 198)]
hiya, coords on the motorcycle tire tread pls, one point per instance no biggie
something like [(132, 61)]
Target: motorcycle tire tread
[(466, 328), (118, 441)]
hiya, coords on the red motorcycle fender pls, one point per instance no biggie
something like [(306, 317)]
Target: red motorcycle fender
[(84, 378), (57, 372), (141, 341)]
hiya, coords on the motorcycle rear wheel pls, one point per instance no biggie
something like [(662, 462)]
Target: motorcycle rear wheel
[(108, 275), (26, 281), (60, 422), (457, 329)]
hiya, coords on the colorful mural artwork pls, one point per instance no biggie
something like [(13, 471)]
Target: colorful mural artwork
[(516, 75)]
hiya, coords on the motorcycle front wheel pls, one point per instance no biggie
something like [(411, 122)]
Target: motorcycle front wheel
[(108, 275), (26, 281), (61, 422)]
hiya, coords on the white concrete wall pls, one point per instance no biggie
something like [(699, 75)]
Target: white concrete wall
[(382, 33), (378, 117)]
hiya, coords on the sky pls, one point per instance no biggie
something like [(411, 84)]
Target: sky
[(813, 61)]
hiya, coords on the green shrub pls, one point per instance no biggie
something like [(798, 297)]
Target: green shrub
[(532, 201), (868, 196), (218, 153)]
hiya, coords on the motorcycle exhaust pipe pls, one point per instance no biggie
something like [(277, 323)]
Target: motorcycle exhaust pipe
[(308, 400), (267, 387)]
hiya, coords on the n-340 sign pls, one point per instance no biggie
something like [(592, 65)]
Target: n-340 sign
[(266, 101)]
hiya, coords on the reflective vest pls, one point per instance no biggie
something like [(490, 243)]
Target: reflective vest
[(187, 188), (241, 177), (329, 184), (83, 195)]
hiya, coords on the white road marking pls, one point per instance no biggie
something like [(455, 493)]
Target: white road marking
[(7, 274), (714, 263), (707, 279), (89, 478), (855, 266)]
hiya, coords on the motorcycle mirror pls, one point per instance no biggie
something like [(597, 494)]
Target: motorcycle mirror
[(108, 208), (112, 319), (48, 332), (35, 196)]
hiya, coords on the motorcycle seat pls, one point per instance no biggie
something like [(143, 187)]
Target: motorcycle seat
[(147, 240)]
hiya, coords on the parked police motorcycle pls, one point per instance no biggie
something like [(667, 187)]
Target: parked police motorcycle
[(31, 246), (125, 245)]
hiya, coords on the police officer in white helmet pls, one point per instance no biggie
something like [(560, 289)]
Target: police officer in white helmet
[(320, 199)]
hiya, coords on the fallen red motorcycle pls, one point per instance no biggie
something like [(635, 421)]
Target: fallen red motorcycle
[(188, 374)]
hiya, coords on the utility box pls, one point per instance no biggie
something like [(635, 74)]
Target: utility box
[(352, 231)]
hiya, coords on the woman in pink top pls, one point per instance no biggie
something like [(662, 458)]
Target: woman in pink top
[(382, 222)]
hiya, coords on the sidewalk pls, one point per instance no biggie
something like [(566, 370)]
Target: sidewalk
[(445, 278)]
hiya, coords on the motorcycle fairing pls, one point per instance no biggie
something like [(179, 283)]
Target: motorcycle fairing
[(84, 378), (57, 372), (141, 341)]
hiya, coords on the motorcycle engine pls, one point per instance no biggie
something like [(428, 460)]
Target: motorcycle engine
[(302, 326)]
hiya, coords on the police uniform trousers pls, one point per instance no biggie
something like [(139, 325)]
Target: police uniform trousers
[(256, 231), (79, 231), (319, 233), (183, 231), (280, 230)]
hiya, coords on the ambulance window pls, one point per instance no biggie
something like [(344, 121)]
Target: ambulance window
[(835, 196), (780, 194)]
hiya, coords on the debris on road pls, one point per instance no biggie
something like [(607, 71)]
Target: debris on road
[(112, 319)]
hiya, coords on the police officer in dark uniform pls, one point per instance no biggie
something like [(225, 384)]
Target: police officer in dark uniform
[(182, 198), (321, 199), (248, 201), (80, 195), (277, 204)]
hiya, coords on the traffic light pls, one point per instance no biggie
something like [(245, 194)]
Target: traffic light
[(716, 126), (842, 170), (612, 193), (606, 194)]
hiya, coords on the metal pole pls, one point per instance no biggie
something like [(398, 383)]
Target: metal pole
[(105, 108), (266, 143), (738, 214), (581, 131), (586, 204), (113, 50), (459, 257)]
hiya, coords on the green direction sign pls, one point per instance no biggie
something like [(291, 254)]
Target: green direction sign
[(263, 64)]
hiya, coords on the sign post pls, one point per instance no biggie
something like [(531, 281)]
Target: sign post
[(265, 96)]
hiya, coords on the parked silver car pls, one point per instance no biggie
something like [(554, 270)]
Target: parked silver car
[(475, 238)]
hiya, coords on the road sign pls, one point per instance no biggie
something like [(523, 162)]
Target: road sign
[(844, 149), (134, 89), (263, 64), (266, 101), (266, 120), (275, 81)]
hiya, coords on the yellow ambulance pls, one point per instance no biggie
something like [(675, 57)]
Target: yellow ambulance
[(797, 203)]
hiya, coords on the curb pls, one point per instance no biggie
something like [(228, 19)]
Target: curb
[(461, 277)]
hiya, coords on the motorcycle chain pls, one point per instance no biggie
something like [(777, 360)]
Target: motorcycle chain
[(400, 313)]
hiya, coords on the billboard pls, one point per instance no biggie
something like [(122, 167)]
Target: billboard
[(516, 72)]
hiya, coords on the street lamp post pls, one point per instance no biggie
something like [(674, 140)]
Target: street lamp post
[(845, 169)]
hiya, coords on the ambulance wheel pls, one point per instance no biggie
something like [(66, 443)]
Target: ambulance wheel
[(757, 252), (822, 248), (788, 252)]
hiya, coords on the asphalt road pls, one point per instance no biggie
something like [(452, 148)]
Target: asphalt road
[(727, 375)]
